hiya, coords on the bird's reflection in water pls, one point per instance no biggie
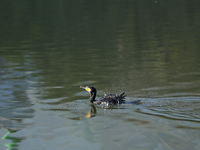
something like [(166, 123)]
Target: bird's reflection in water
[(92, 112)]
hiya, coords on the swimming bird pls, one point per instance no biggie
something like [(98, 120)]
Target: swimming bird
[(110, 99)]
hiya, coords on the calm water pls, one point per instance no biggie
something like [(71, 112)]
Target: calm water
[(149, 49)]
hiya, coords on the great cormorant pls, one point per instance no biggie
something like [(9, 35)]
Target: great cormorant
[(110, 99)]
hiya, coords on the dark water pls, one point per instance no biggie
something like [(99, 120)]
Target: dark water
[(149, 49)]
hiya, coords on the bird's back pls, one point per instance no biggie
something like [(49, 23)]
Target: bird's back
[(111, 99)]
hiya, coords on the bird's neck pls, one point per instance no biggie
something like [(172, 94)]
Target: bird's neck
[(92, 97)]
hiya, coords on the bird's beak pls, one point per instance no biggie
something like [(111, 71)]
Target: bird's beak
[(83, 87), (86, 88)]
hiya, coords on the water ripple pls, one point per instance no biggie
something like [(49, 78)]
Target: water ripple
[(184, 109)]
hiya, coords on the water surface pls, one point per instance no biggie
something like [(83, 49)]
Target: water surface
[(149, 49)]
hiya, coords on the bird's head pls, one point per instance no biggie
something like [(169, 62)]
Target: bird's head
[(91, 90)]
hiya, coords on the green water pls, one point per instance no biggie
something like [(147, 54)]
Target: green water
[(149, 49)]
